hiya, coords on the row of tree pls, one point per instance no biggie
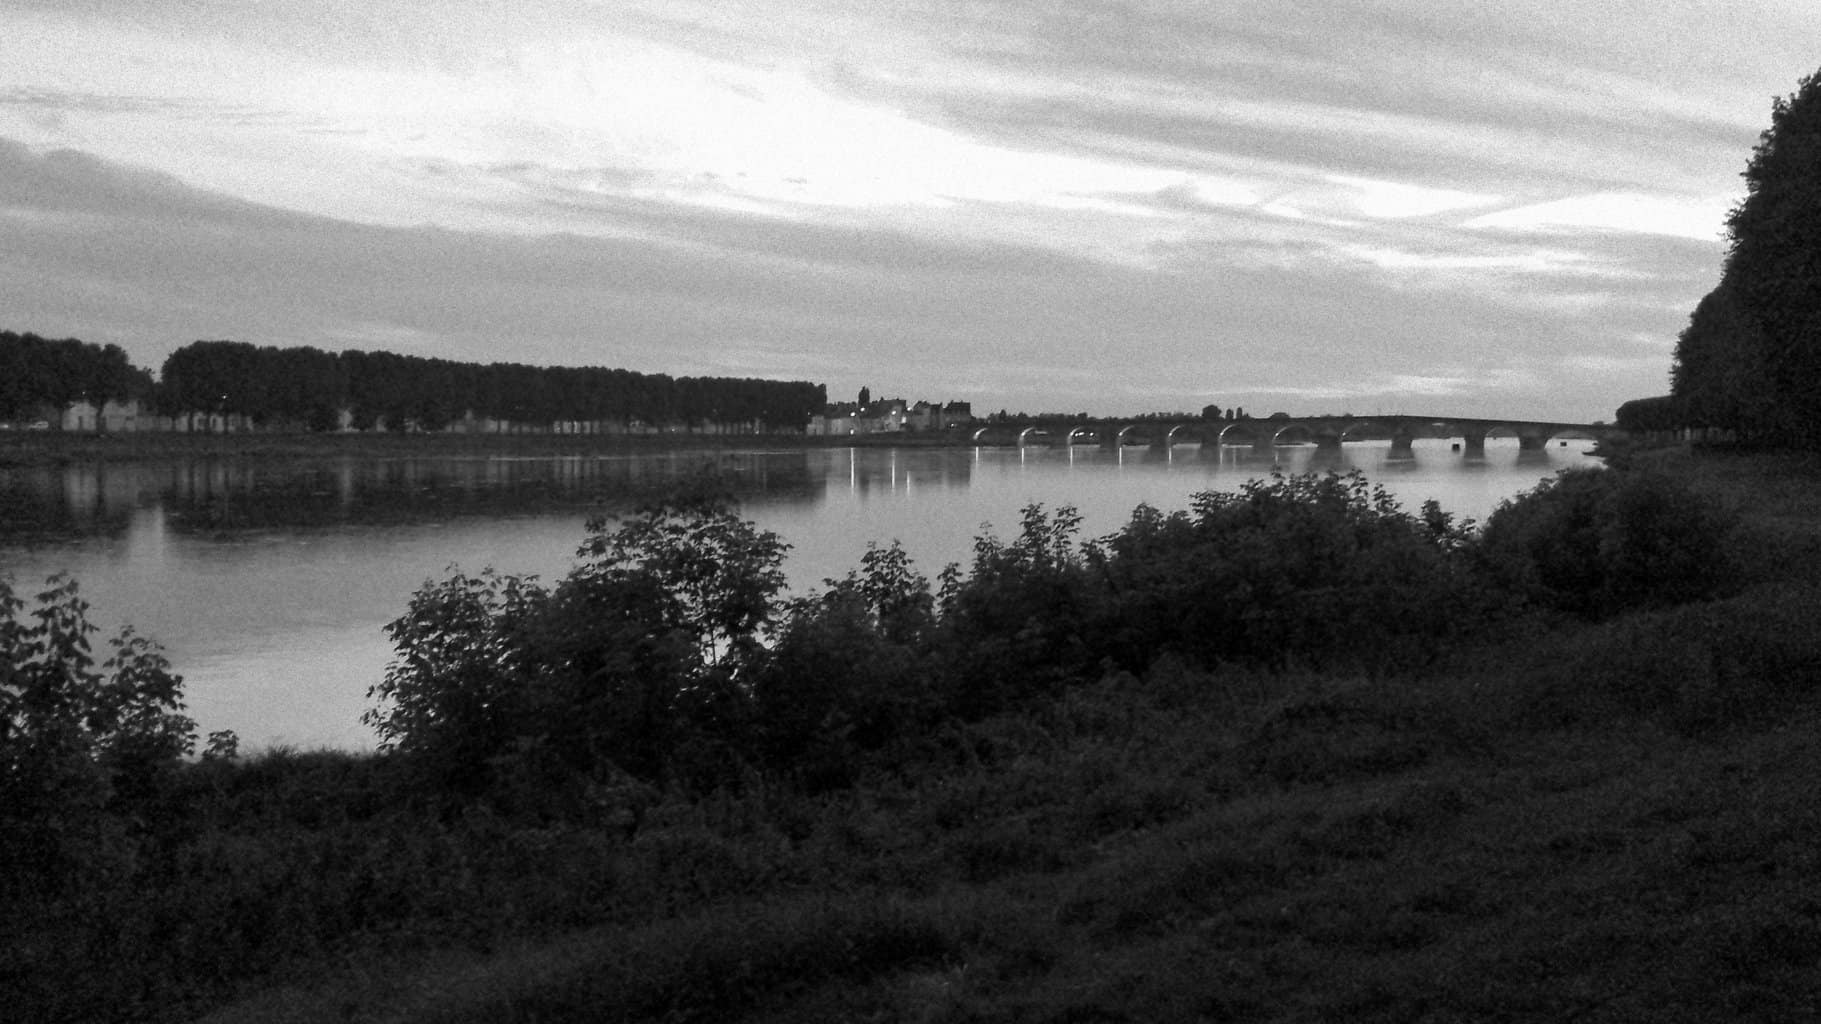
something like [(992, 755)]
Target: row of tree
[(310, 386), (38, 373), (1750, 358)]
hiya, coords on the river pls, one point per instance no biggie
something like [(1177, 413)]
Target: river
[(268, 581)]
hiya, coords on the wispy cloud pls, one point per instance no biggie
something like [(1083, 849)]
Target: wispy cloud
[(1056, 205)]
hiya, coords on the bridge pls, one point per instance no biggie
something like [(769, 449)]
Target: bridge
[(1321, 431)]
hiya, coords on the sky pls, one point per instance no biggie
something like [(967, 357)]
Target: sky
[(1374, 206)]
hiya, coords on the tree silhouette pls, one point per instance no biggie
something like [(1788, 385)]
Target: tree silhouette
[(1751, 355)]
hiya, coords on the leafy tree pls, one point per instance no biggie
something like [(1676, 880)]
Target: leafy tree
[(1719, 374), (1663, 412), (720, 575), (76, 738), (638, 661), (1012, 627), (1775, 259), (1751, 355), (849, 672), (36, 373), (463, 659)]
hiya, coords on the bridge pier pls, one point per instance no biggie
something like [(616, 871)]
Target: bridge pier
[(1474, 443), (1532, 442)]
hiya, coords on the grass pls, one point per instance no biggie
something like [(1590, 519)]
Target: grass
[(1599, 822)]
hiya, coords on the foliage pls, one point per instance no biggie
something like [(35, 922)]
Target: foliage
[(1751, 355), (307, 387), (716, 574), (1607, 819), (1776, 250), (1699, 668), (464, 660), (1661, 413), (38, 374), (1720, 370), (1595, 543), (1012, 626), (1311, 569), (75, 738), (636, 662), (849, 672)]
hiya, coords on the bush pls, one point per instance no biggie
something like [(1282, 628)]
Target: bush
[(77, 741), (1701, 668), (1311, 569), (850, 671), (1013, 628), (636, 662), (1594, 543)]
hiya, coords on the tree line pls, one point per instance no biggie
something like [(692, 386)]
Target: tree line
[(1749, 360), (310, 388), (36, 373)]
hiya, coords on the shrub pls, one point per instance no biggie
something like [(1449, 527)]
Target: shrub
[(636, 662), (1013, 627), (76, 739), (850, 671), (1595, 543), (1701, 668), (1318, 569)]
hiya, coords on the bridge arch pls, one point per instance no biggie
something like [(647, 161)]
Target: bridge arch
[(1290, 433), (1366, 426), (1247, 430), (1184, 431)]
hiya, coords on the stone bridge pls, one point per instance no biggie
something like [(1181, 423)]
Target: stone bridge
[(1322, 431)]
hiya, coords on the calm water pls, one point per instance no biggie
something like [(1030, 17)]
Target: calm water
[(268, 582)]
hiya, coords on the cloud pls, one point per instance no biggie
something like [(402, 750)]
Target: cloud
[(1062, 205), (1615, 211)]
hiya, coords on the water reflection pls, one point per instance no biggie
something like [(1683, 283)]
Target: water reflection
[(214, 495)]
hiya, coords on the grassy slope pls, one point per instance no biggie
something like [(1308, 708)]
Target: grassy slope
[(1597, 823)]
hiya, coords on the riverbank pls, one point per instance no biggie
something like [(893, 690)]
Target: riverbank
[(1556, 818)]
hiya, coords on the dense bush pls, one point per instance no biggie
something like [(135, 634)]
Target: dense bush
[(77, 740), (1012, 628), (636, 662), (1594, 543), (666, 655), (1699, 668), (849, 671), (1318, 570)]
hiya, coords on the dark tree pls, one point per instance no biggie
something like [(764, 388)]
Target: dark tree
[(1751, 356), (38, 375)]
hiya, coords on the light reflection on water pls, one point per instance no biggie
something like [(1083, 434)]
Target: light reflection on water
[(267, 582)]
